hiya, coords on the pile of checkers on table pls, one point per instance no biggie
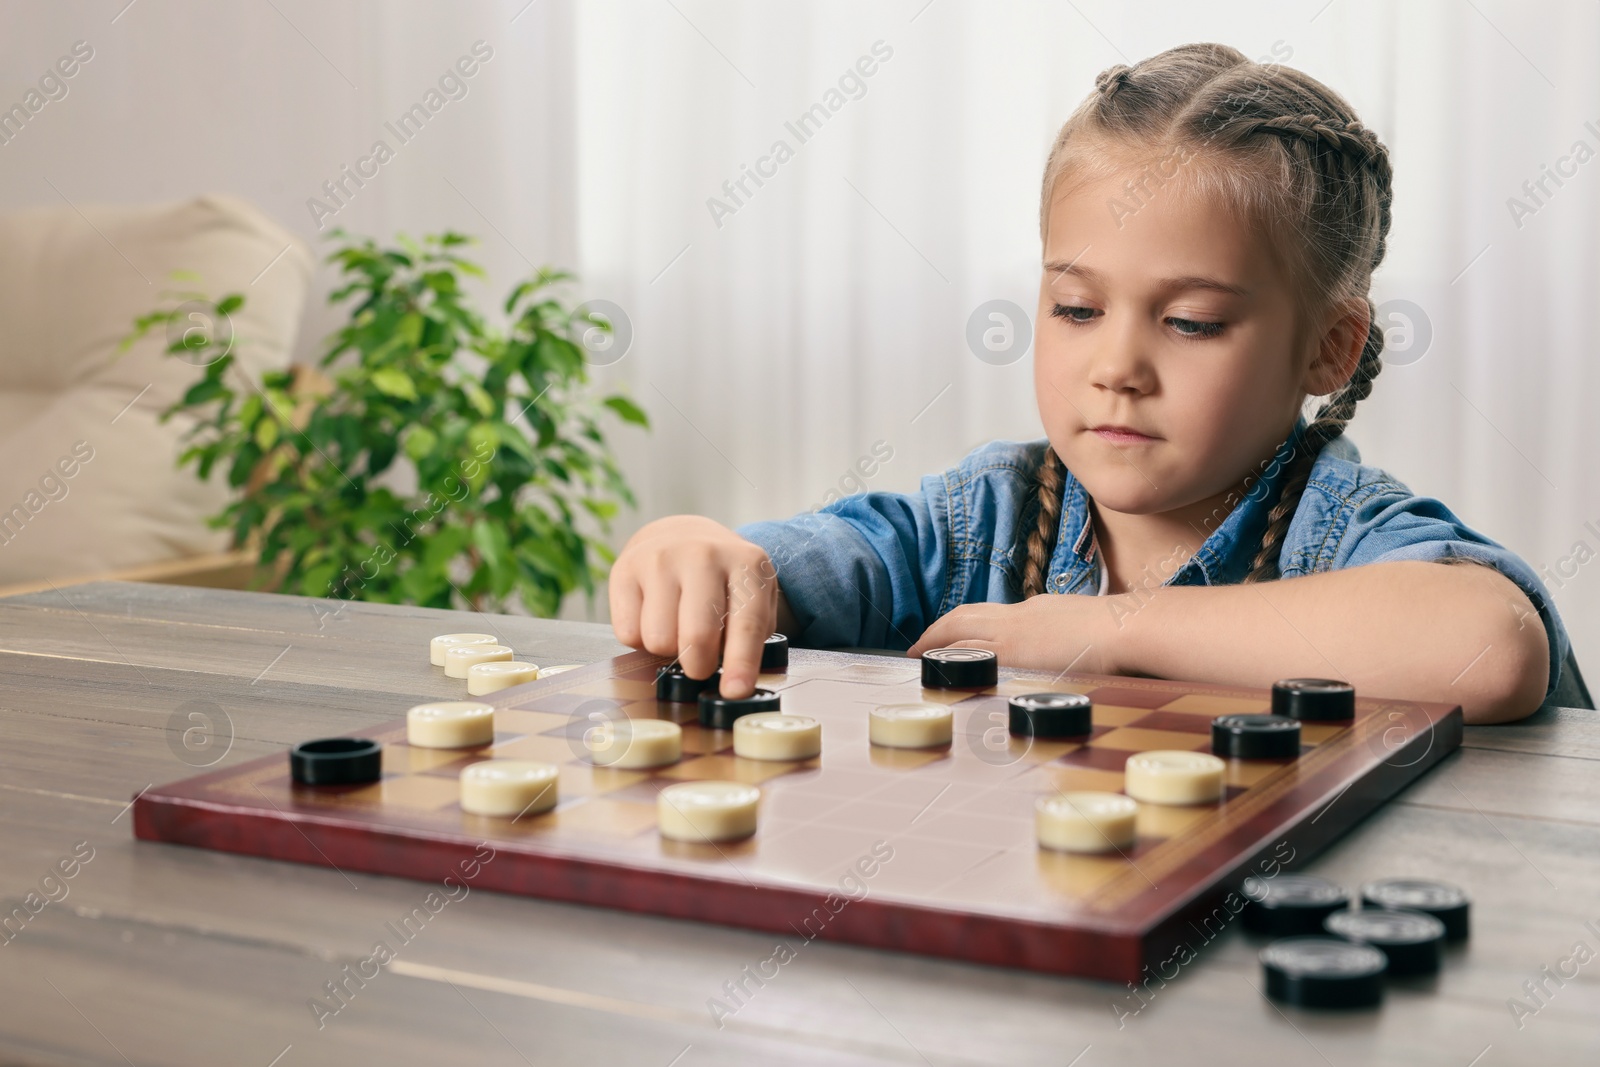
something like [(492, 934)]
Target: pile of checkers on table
[(1329, 954)]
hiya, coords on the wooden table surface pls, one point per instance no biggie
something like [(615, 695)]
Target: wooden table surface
[(160, 954)]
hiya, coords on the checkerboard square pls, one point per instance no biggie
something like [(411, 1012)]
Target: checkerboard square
[(604, 816), (731, 769), (403, 759), (1173, 720), (872, 674), (1132, 739), (1213, 705), (1076, 876), (543, 749), (1070, 779), (622, 689), (584, 779), (700, 742), (569, 703), (1159, 821), (1130, 698), (413, 793), (906, 758), (1108, 715), (517, 721), (1094, 757)]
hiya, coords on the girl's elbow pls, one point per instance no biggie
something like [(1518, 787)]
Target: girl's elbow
[(1517, 674)]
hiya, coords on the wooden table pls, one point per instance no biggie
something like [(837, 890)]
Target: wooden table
[(162, 954)]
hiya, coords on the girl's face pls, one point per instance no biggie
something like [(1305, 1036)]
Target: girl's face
[(1164, 363)]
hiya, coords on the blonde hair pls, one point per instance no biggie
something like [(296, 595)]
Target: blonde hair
[(1284, 153)]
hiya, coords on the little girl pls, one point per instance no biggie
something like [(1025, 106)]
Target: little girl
[(1210, 229)]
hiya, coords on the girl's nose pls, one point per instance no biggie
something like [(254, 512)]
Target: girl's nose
[(1120, 364)]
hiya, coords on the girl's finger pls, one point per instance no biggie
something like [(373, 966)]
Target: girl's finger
[(701, 610)]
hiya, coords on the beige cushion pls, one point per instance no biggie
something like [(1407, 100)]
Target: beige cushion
[(89, 483)]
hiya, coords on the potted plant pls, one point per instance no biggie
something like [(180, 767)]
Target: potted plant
[(441, 460)]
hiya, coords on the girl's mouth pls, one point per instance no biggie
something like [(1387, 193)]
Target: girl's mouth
[(1121, 435)]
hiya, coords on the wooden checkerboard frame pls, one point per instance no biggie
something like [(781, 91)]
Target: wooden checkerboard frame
[(965, 878)]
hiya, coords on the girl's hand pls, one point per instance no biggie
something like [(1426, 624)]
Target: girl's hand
[(689, 587), (1053, 632)]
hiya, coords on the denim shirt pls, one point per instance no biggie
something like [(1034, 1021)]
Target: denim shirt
[(876, 569)]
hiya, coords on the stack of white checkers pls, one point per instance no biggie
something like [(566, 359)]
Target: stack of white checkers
[(1106, 822), (487, 665)]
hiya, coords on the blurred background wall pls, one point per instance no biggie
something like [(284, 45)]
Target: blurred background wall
[(779, 338)]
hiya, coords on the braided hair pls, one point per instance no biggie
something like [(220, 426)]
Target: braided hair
[(1280, 149)]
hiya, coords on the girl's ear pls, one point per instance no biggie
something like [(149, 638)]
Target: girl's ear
[(1338, 351)]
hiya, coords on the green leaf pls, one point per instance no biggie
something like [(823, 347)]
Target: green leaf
[(410, 329), (491, 543), (484, 440), (204, 391), (420, 442), (394, 382), (479, 397), (266, 434), (627, 410)]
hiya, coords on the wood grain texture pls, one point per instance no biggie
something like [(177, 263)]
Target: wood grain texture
[(172, 955)]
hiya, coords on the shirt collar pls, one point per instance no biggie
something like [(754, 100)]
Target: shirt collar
[(1224, 557)]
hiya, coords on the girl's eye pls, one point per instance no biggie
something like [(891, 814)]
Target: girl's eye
[(1191, 329), (1062, 311), (1201, 329)]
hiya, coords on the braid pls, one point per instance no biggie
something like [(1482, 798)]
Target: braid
[(1330, 423), (1049, 474), (1353, 145), (1111, 79)]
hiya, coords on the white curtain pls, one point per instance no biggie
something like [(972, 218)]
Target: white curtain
[(828, 311), (786, 341)]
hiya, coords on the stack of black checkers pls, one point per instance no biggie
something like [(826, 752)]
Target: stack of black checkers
[(718, 712), (675, 687), (1334, 956), (1050, 715), (775, 654), (1314, 699), (1255, 736), (959, 668)]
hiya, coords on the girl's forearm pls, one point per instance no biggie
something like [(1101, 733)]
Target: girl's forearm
[(1409, 630)]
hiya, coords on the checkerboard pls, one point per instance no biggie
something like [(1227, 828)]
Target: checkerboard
[(929, 851)]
